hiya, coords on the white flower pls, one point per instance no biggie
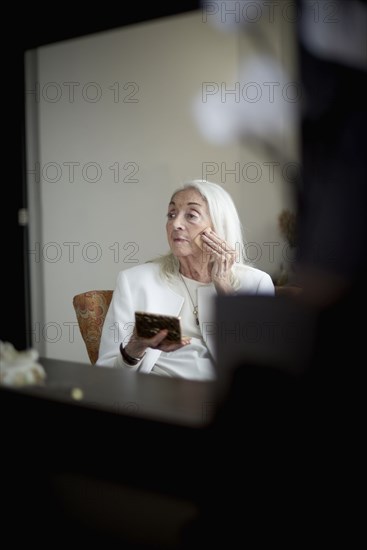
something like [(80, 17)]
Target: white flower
[(19, 368)]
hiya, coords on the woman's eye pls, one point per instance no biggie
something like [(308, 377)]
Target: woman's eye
[(189, 216)]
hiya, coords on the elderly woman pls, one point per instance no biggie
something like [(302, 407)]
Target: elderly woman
[(206, 258)]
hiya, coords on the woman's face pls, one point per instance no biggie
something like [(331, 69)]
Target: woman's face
[(187, 216)]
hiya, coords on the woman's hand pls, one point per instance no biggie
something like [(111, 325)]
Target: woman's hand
[(222, 258), (168, 345), (137, 345)]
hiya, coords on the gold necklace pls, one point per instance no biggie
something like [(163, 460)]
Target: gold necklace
[(195, 310)]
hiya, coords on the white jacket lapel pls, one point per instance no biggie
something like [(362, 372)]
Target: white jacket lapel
[(207, 317)]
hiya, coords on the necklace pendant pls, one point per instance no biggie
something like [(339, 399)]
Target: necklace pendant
[(195, 312)]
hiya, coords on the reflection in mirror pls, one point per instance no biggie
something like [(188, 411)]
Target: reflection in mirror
[(117, 120)]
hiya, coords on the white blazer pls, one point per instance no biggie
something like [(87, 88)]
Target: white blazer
[(141, 288)]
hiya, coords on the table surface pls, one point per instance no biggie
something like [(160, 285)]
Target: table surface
[(171, 400)]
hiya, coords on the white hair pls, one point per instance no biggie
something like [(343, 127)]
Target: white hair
[(224, 217)]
